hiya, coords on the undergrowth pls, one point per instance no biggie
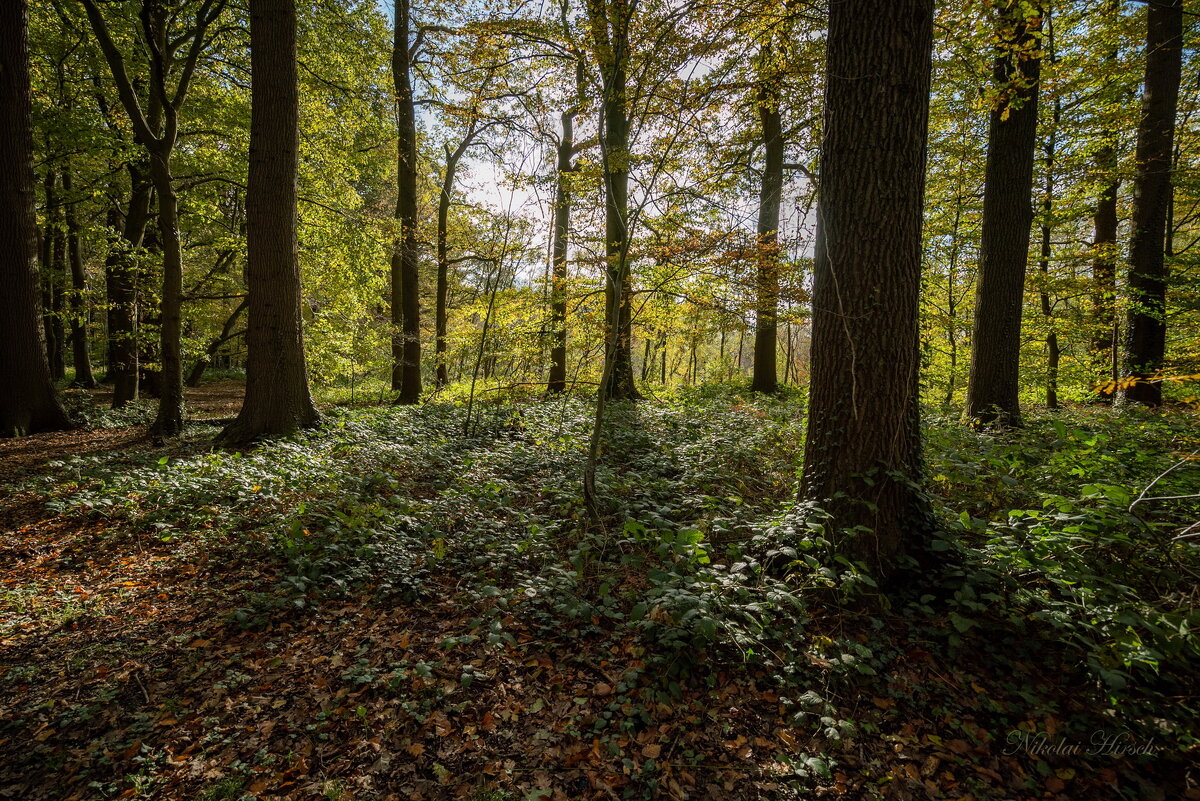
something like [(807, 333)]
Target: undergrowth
[(1066, 545)]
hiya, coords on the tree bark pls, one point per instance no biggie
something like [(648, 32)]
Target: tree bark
[(405, 276), (28, 403), (278, 401), (1146, 325), (765, 371), (993, 389), (862, 460)]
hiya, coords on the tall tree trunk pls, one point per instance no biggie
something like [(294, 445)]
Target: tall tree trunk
[(121, 278), (765, 375), (862, 461), (1053, 351), (1146, 325), (80, 355), (453, 158), (610, 23), (557, 380), (168, 422), (442, 290), (1107, 327), (405, 277), (1050, 153), (662, 346), (277, 402), (28, 403), (619, 295), (53, 256), (58, 291), (789, 366), (1106, 332), (992, 393), (952, 321)]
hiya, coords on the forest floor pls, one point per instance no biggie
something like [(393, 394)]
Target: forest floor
[(409, 605), (219, 400)]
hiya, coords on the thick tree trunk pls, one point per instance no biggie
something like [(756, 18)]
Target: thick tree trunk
[(862, 460), (405, 278), (557, 381), (992, 394), (277, 402), (765, 375), (121, 279), (80, 355), (28, 403), (1146, 325)]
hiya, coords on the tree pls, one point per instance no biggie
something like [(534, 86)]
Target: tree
[(128, 227), (1146, 325), (765, 376), (565, 151), (610, 22), (1050, 155), (163, 52), (28, 403), (405, 271), (277, 401), (80, 356), (120, 269), (53, 256), (1106, 336), (768, 96), (992, 393), (863, 456), (473, 73), (564, 165)]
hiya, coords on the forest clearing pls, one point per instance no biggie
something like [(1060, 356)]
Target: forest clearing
[(615, 399)]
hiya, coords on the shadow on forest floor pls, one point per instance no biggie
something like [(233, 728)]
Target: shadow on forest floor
[(386, 609)]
